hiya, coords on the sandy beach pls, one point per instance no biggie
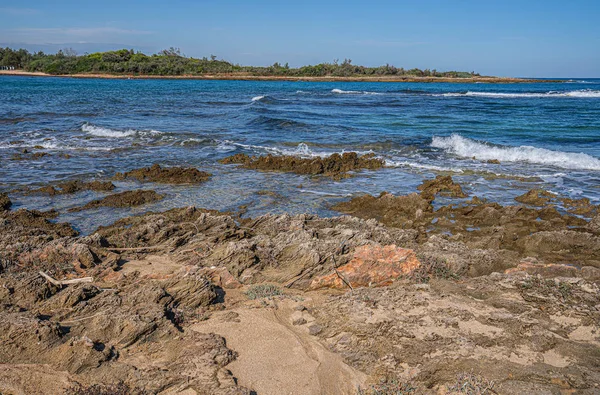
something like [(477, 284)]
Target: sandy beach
[(248, 77)]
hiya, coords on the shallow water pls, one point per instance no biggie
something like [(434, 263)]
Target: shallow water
[(544, 135)]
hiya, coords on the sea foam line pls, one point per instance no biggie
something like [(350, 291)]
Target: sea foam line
[(467, 148), (582, 93), (106, 132), (342, 92)]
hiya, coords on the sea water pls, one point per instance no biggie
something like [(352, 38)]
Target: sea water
[(544, 135)]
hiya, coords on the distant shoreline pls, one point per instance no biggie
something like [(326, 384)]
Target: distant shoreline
[(250, 77)]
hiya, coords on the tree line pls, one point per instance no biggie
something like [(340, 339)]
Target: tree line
[(171, 62)]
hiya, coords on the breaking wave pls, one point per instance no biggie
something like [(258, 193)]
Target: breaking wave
[(99, 131), (258, 98), (342, 92), (582, 93), (467, 148)]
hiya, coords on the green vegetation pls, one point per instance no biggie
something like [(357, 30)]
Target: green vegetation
[(471, 384), (170, 62), (390, 387), (263, 291)]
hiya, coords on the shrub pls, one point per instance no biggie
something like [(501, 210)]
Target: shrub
[(263, 291)]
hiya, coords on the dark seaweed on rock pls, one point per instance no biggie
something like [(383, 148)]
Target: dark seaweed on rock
[(512, 231), (123, 199), (167, 175), (542, 198), (5, 202), (68, 187), (335, 165)]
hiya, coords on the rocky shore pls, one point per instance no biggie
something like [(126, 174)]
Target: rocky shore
[(396, 295)]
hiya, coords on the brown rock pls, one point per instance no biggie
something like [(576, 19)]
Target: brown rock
[(315, 329), (396, 211), (69, 187), (221, 277), (335, 165), (123, 199), (553, 270), (444, 185), (299, 321), (550, 270), (579, 206), (371, 266), (5, 202), (536, 197), (168, 175)]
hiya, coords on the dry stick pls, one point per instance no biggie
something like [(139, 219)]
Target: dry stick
[(338, 273), (66, 282)]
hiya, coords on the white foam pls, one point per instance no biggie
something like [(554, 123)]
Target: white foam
[(257, 98), (342, 92), (582, 93), (467, 148), (106, 132), (395, 163)]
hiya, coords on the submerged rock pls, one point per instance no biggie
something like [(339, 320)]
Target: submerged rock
[(68, 187), (536, 197), (167, 175), (443, 185), (5, 202), (123, 199), (397, 211), (335, 165)]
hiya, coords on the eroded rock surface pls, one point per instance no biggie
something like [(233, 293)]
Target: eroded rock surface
[(166, 175), (335, 165), (123, 199), (406, 294), (5, 202), (69, 187)]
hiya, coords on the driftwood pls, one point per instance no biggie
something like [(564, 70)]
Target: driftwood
[(60, 283)]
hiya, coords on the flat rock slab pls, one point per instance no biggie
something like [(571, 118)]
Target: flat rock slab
[(371, 266)]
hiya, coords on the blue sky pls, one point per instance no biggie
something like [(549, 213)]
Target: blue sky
[(511, 38)]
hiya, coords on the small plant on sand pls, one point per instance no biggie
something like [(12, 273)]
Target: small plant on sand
[(263, 291), (389, 387), (471, 384), (561, 290), (432, 268)]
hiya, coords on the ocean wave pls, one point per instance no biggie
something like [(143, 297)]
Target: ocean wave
[(582, 93), (423, 166), (342, 92), (269, 122), (99, 131), (467, 148), (258, 98)]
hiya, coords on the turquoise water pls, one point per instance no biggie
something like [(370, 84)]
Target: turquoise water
[(544, 135)]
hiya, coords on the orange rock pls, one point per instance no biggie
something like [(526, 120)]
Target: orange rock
[(371, 266)]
